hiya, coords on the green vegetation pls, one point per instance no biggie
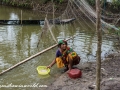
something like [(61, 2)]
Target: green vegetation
[(91, 2), (117, 32), (16, 3), (46, 1), (113, 6), (27, 3)]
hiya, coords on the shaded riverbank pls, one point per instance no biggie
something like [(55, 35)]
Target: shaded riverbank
[(37, 5)]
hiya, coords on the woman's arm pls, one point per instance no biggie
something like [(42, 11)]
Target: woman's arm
[(53, 62)]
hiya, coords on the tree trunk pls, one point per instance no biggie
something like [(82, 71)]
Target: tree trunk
[(99, 38)]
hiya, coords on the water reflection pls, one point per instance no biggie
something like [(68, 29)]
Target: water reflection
[(6, 12), (13, 16)]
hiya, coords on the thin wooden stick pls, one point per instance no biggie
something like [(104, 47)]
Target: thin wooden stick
[(49, 28), (43, 30), (53, 13), (21, 17), (29, 58)]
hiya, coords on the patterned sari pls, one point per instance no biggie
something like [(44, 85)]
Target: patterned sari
[(63, 59)]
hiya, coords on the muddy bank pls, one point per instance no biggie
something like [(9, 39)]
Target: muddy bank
[(110, 77)]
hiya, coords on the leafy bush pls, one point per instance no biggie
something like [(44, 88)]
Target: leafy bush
[(91, 2), (116, 4)]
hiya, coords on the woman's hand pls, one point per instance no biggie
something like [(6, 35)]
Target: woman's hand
[(49, 66)]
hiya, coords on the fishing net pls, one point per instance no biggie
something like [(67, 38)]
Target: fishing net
[(45, 28), (81, 9)]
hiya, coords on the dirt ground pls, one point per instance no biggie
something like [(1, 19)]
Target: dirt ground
[(110, 76)]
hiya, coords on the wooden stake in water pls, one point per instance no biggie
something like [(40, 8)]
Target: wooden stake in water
[(53, 14), (21, 17)]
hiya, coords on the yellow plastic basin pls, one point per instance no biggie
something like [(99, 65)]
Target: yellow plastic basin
[(43, 70)]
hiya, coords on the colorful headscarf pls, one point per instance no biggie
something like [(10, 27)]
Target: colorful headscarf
[(62, 42)]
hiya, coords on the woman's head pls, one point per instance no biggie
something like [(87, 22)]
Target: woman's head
[(62, 44)]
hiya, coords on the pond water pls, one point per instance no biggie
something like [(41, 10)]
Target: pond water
[(18, 42)]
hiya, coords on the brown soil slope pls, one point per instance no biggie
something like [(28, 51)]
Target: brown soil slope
[(110, 77)]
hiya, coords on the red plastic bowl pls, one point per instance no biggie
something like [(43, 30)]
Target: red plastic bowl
[(75, 73)]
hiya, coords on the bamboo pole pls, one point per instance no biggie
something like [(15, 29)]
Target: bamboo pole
[(53, 14), (33, 56), (21, 17), (99, 43)]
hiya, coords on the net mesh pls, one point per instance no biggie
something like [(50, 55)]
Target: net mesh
[(81, 9)]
